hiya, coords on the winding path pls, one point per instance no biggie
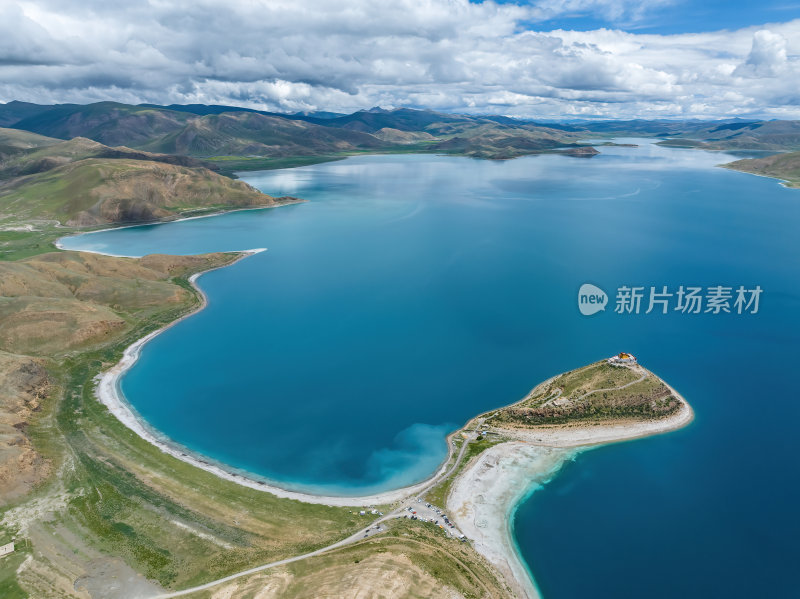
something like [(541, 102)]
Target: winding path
[(639, 380), (396, 513), (585, 395), (355, 537)]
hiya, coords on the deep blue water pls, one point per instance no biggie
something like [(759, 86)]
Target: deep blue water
[(412, 292)]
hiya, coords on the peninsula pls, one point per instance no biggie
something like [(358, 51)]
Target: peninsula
[(607, 401)]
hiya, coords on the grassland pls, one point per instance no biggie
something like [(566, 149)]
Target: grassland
[(115, 494), (16, 141), (40, 154), (411, 559), (48, 184), (785, 167), (595, 393), (16, 245), (94, 192)]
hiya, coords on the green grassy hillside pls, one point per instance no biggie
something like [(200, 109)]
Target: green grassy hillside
[(225, 132), (83, 183), (14, 111), (402, 119), (109, 123), (760, 135), (779, 166), (249, 133), (595, 393), (91, 192), (15, 141), (499, 142), (397, 136), (53, 153)]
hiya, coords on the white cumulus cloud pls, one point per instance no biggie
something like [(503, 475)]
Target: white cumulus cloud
[(445, 54), (767, 57)]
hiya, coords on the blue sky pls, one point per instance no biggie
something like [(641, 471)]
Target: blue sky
[(679, 16)]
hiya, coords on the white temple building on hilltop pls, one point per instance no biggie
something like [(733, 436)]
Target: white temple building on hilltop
[(622, 359)]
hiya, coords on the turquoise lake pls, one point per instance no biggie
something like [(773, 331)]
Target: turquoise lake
[(412, 292)]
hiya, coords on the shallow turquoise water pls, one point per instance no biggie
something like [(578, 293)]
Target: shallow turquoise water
[(412, 292)]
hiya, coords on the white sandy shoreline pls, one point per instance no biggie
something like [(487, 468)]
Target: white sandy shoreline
[(57, 243), (484, 497), (584, 436)]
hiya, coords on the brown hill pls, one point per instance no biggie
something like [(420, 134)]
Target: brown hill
[(16, 141), (98, 191), (110, 123), (402, 137), (51, 153), (253, 134), (498, 142), (54, 304)]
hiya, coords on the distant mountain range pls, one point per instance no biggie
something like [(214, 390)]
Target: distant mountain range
[(215, 132), (94, 164), (741, 135), (223, 131)]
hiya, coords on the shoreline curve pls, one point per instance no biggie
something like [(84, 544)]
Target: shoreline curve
[(110, 395), (60, 246)]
